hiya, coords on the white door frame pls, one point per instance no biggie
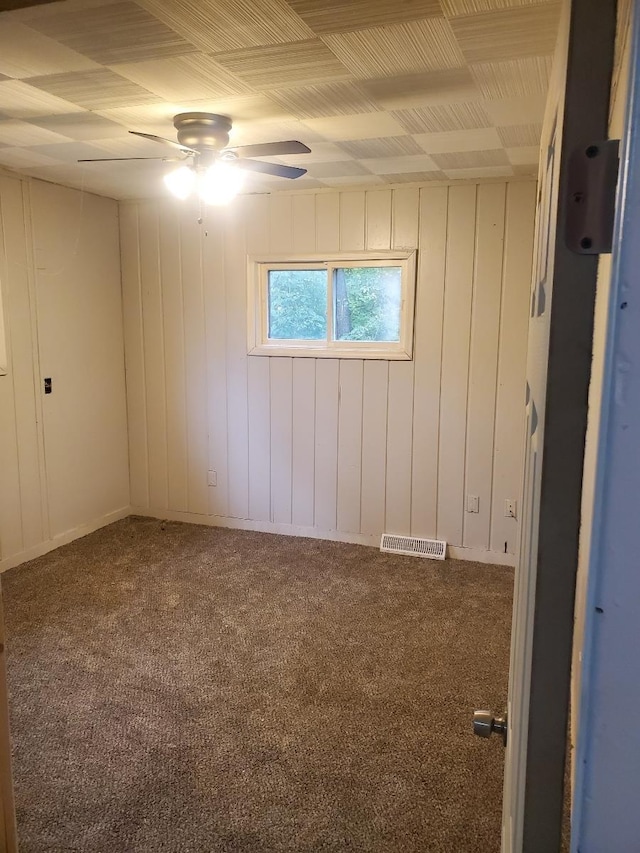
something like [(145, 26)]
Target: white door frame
[(545, 586), (606, 814)]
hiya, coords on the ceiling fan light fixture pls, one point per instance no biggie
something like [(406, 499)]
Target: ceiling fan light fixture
[(181, 182), (220, 183)]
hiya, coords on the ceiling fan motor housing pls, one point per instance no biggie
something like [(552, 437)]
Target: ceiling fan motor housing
[(202, 130)]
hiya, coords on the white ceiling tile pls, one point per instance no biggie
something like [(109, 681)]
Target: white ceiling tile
[(415, 177), (482, 139), (336, 169), (426, 90), (281, 65), (80, 125), (321, 152), (17, 158), (516, 110), (327, 99), (441, 118), (455, 8), (20, 133), (128, 145), (28, 13), (397, 49), (470, 159), (480, 172), (250, 132), (27, 53), (69, 152), (512, 78), (387, 146), (397, 165), (148, 118), (221, 25), (346, 15), (365, 126), (520, 135), (508, 33), (20, 100), (354, 180), (113, 33), (177, 78), (524, 156), (429, 87)]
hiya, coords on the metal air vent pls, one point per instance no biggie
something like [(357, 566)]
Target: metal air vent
[(434, 549)]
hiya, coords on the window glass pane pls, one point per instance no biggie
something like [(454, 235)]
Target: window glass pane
[(367, 303), (298, 305)]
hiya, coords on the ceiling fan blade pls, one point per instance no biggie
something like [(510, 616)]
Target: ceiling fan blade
[(272, 149), (116, 159), (276, 169), (164, 141)]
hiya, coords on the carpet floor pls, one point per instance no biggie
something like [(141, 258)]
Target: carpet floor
[(180, 688)]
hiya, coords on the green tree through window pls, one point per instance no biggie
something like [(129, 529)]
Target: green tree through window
[(366, 304), (298, 305)]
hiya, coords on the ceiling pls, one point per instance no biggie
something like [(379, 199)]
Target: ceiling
[(383, 91)]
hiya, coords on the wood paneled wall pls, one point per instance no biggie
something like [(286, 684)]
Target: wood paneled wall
[(63, 457), (343, 449)]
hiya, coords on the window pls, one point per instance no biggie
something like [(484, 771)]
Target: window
[(346, 306)]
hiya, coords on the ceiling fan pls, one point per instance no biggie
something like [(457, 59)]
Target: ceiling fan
[(213, 167)]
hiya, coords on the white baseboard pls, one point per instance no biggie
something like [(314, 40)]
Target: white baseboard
[(474, 554), (477, 555), (62, 539), (456, 553)]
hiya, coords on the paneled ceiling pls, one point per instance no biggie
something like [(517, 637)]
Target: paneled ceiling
[(382, 91)]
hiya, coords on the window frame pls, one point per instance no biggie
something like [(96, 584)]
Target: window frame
[(258, 343)]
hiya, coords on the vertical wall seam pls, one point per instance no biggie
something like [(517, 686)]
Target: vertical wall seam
[(292, 245), (124, 350), (339, 419), (474, 285), (291, 452), (442, 316), (184, 362), (143, 360), (497, 366), (413, 359), (313, 491), (202, 236), (164, 360), (361, 447)]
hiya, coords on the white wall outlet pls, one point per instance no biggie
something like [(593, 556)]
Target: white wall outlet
[(212, 478), (473, 503), (510, 508)]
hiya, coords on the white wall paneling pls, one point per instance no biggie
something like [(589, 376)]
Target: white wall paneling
[(428, 359), (63, 456), (454, 375), (22, 485), (342, 448)]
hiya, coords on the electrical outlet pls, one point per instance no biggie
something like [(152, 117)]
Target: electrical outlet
[(212, 478), (510, 508), (473, 503)]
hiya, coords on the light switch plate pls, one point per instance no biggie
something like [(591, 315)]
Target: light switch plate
[(473, 503)]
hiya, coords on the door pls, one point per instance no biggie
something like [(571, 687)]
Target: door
[(558, 373), (80, 346)]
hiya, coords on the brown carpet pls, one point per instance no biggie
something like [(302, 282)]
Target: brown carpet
[(181, 688)]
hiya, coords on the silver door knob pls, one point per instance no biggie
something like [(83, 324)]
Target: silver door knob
[(486, 724)]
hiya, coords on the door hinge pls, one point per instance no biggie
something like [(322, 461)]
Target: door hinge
[(591, 203)]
